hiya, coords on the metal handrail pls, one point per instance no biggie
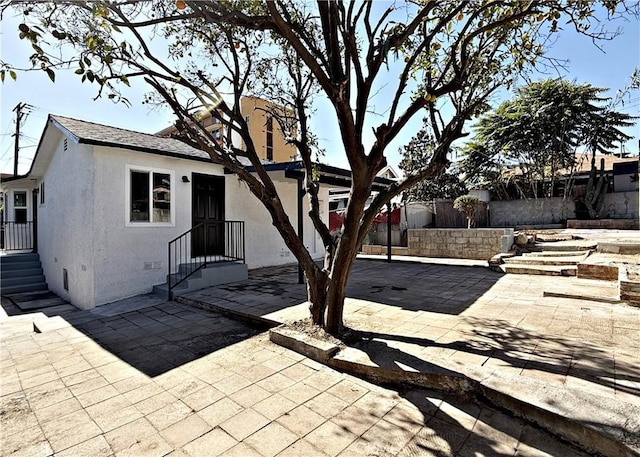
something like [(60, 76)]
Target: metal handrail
[(194, 250), (16, 236)]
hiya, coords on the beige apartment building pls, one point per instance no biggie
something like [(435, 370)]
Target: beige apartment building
[(265, 131)]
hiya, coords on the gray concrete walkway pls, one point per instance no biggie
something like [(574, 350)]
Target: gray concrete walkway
[(467, 317), (472, 315), (144, 377)]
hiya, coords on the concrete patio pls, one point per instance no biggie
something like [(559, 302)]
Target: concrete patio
[(144, 377), (148, 377), (456, 315)]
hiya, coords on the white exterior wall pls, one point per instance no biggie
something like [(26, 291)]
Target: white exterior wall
[(65, 221), (263, 244), (130, 260), (83, 222)]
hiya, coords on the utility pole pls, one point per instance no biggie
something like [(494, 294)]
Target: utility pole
[(19, 114)]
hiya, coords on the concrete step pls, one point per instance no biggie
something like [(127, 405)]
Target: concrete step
[(18, 258), (5, 274), (12, 266), (548, 260), (27, 287), (546, 270), (553, 253), (554, 237), (574, 245), (161, 290), (39, 304), (585, 289), (214, 275), (16, 281)]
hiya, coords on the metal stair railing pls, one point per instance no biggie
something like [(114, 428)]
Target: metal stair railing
[(204, 244), (16, 236)]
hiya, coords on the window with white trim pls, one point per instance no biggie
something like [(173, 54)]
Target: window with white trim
[(149, 196)]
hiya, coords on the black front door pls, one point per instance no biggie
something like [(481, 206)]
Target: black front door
[(208, 208)]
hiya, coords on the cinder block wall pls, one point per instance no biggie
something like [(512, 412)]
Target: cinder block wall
[(479, 244), (540, 211)]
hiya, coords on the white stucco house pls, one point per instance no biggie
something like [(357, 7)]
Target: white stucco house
[(107, 202)]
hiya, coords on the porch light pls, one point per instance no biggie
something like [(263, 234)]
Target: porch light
[(185, 178)]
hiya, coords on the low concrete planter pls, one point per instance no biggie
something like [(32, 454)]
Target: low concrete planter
[(532, 400), (315, 349)]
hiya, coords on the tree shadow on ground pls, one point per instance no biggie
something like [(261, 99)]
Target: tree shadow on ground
[(457, 422), (463, 427), (153, 335), (444, 424), (497, 342), (451, 288)]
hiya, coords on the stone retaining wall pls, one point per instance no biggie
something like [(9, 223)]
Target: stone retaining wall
[(479, 244), (378, 249)]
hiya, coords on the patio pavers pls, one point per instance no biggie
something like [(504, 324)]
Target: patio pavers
[(155, 402), (475, 316)]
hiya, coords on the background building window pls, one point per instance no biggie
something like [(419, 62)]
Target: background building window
[(269, 138)]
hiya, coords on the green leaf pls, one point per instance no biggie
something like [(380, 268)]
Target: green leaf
[(87, 61), (13, 75), (125, 80), (90, 76), (1, 75), (51, 74), (79, 71)]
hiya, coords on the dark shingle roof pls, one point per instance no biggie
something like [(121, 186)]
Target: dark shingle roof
[(104, 135)]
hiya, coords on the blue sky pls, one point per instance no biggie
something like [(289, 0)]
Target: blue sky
[(610, 67)]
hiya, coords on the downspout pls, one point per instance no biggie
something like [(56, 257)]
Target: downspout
[(389, 231), (34, 212), (301, 193)]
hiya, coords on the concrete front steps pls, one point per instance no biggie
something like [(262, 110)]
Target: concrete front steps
[(550, 263), (21, 273), (213, 275)]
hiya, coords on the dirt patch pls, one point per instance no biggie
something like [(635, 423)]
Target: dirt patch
[(307, 327), (633, 273), (13, 408)]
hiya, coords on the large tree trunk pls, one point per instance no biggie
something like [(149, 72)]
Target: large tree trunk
[(326, 291), (317, 297), (326, 288), (337, 290), (596, 190)]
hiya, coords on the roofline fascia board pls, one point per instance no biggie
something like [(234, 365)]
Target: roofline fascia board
[(15, 178), (339, 181), (109, 144), (76, 139), (298, 166)]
